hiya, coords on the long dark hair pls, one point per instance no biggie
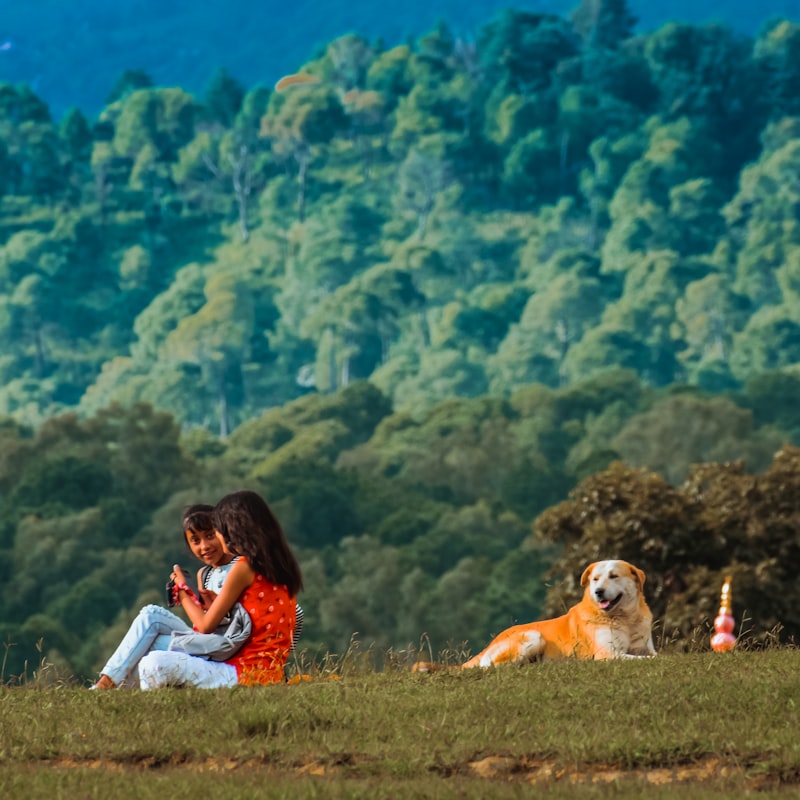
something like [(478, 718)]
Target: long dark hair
[(250, 529)]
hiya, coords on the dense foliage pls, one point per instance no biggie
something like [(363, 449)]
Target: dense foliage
[(404, 526), (444, 219), (414, 297)]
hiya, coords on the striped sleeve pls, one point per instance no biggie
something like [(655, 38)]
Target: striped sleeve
[(298, 626)]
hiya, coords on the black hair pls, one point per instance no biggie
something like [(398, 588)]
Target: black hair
[(250, 529), (198, 518)]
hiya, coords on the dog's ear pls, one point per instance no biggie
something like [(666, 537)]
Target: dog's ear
[(638, 575), (587, 572)]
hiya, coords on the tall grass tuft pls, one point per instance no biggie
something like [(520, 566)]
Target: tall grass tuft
[(44, 674)]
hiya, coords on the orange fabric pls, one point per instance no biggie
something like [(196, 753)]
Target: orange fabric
[(264, 654)]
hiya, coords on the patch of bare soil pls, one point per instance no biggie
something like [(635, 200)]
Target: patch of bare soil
[(542, 772), (311, 767), (536, 772)]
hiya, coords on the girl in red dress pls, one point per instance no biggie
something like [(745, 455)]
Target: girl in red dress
[(265, 580)]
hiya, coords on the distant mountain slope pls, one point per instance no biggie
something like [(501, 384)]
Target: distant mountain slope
[(71, 53)]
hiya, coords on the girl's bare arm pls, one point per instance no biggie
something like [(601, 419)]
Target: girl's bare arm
[(239, 578)]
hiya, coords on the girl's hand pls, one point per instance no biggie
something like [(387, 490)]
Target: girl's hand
[(177, 574), (207, 597), (206, 620)]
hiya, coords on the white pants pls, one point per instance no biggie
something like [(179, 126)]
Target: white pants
[(169, 668), (151, 630)]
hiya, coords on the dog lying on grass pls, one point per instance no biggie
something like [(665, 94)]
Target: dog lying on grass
[(612, 620)]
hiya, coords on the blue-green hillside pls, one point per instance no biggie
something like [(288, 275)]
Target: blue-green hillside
[(71, 53)]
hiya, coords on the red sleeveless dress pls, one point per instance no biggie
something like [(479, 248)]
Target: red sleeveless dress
[(273, 613)]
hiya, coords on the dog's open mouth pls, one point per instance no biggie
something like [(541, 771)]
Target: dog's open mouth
[(606, 605)]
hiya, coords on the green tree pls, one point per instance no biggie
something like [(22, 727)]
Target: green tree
[(223, 97), (161, 118), (682, 430), (553, 319), (183, 298), (640, 209), (609, 160), (708, 314), (471, 530), (357, 410), (521, 50), (21, 104), (76, 136), (253, 107), (347, 61), (239, 164), (608, 347), (40, 160), (694, 211), (31, 306), (531, 175), (61, 483), (300, 122), (421, 178), (762, 226), (216, 338), (708, 73), (356, 324), (193, 173), (775, 53), (769, 341), (514, 117), (368, 121), (70, 544), (146, 443), (486, 315), (772, 398), (460, 587), (369, 599), (431, 377), (129, 81)]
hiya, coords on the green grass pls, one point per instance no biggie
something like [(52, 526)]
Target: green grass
[(697, 725)]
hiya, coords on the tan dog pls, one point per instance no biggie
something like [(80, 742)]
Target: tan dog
[(611, 621)]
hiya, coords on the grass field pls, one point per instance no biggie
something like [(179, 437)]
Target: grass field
[(691, 725)]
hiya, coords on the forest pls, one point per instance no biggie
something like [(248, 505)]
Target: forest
[(469, 314)]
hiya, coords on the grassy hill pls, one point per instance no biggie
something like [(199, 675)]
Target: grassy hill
[(698, 725)]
